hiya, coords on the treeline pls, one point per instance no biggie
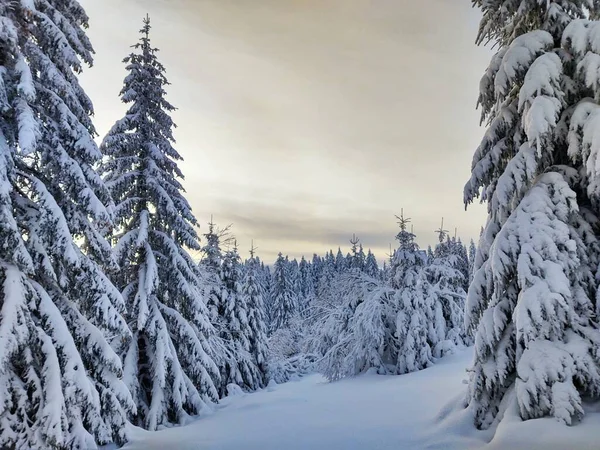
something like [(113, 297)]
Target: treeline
[(343, 315)]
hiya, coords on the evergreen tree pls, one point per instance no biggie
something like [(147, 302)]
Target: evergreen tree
[(307, 287), (316, 270), (459, 251), (430, 254), (216, 296), (329, 268), (211, 263), (303, 275), (340, 261), (293, 269), (364, 329), (167, 367), (348, 262), (416, 308), (532, 298), (60, 374), (212, 255), (240, 367), (447, 287), (362, 257), (357, 256), (266, 281), (283, 297), (253, 293), (371, 267), (385, 271)]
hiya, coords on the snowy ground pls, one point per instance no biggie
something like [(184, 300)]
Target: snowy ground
[(414, 411)]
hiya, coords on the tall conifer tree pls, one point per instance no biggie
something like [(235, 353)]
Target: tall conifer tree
[(532, 298), (416, 316), (167, 365), (307, 286), (253, 292), (241, 367), (60, 375), (447, 282), (284, 299), (211, 264)]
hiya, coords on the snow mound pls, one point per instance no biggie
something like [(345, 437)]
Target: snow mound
[(272, 385), (233, 390)]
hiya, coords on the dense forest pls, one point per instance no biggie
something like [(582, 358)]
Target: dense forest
[(106, 319)]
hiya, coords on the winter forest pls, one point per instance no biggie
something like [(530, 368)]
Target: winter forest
[(124, 316)]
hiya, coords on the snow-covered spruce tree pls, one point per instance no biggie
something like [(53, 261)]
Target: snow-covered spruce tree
[(167, 367), (287, 357), (356, 258), (317, 265), (241, 367), (253, 293), (349, 261), (385, 271), (532, 298), (283, 297), (341, 265), (368, 341), (371, 267), (447, 288), (326, 275), (303, 275), (60, 374), (417, 310), (212, 259), (265, 279), (307, 286), (325, 303), (361, 257), (354, 326), (462, 260), (215, 296), (429, 253), (293, 269)]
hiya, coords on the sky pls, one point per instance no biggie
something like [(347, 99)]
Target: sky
[(303, 122)]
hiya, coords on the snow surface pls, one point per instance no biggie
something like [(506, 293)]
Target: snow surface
[(419, 410)]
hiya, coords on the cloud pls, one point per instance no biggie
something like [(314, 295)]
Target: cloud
[(304, 121), (299, 228)]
